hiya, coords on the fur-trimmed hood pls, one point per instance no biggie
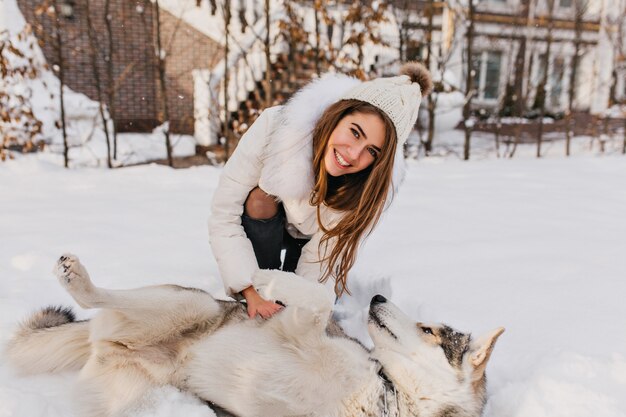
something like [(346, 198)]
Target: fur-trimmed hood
[(288, 156)]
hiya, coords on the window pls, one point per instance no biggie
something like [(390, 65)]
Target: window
[(492, 75), (67, 9), (556, 82), (414, 51), (486, 68), (565, 3), (541, 67)]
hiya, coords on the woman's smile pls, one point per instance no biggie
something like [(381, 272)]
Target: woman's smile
[(341, 161)]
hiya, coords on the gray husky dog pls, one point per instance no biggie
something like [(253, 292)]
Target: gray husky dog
[(299, 363)]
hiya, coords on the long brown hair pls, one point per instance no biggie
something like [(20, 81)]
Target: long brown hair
[(361, 195)]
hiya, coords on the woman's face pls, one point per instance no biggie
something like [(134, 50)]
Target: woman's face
[(355, 144)]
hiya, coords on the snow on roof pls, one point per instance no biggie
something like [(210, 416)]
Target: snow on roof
[(11, 18), (212, 25), (198, 17)]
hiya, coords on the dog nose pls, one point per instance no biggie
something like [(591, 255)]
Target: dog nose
[(378, 299)]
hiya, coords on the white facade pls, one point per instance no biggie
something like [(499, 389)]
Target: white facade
[(495, 49), (497, 41)]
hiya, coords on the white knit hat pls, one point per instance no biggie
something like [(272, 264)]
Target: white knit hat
[(399, 97)]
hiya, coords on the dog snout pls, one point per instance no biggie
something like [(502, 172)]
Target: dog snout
[(378, 299)]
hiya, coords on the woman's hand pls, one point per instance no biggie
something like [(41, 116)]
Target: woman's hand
[(259, 305)]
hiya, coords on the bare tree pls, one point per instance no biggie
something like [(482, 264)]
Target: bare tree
[(438, 55), (430, 11), (541, 95), (292, 30), (617, 21), (161, 57), (268, 57), (60, 70), (507, 101), (111, 81), (401, 13), (226, 10), (93, 51), (620, 45), (317, 4), (513, 102), (580, 9), (323, 51), (469, 80)]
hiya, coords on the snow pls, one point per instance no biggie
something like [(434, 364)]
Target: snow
[(448, 111), (533, 245), (10, 17)]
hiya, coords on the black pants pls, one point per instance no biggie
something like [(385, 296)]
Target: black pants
[(269, 237)]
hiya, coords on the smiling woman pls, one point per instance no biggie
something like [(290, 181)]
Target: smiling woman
[(350, 149), (353, 165), (312, 178)]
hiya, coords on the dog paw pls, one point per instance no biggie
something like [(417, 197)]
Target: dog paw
[(293, 290), (72, 274)]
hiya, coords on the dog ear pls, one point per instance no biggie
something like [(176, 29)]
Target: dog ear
[(480, 351)]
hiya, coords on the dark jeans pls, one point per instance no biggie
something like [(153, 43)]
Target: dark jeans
[(269, 237)]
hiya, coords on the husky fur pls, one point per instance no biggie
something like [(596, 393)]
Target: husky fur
[(299, 363)]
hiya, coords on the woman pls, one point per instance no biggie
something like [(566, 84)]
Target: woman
[(312, 177)]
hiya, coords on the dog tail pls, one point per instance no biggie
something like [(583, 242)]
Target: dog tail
[(50, 340)]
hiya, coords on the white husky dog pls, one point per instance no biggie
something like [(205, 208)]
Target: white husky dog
[(296, 364)]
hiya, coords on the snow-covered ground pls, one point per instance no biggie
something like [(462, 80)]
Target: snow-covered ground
[(536, 246)]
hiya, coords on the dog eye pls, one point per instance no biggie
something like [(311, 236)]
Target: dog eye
[(427, 330)]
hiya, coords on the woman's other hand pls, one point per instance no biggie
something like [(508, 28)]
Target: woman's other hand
[(259, 305)]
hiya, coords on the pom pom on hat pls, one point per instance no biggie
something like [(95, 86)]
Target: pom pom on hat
[(398, 97), (418, 73)]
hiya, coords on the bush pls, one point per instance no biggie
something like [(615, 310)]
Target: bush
[(20, 129)]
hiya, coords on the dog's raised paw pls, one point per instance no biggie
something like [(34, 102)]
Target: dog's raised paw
[(72, 274)]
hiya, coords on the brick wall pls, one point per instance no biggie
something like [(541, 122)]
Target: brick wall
[(187, 49), (135, 70)]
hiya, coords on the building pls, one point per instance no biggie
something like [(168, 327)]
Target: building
[(134, 58), (509, 47)]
